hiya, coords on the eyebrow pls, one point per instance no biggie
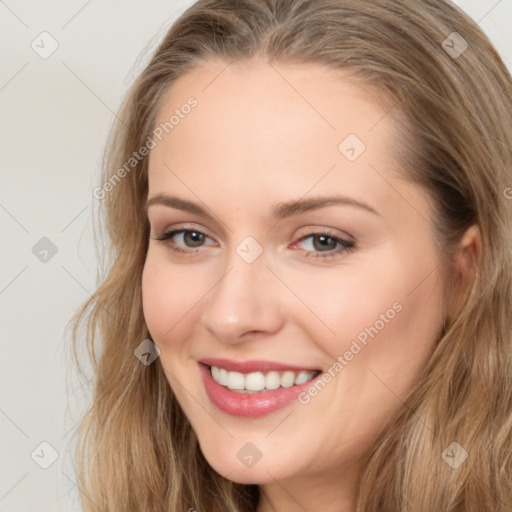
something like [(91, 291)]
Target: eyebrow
[(279, 210)]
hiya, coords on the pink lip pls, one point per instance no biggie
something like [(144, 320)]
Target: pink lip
[(253, 366), (252, 405)]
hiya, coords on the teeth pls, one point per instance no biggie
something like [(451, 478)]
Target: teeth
[(302, 378), (223, 377), (258, 381), (236, 380), (255, 381), (288, 379), (272, 380)]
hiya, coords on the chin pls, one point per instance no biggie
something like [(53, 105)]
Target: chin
[(255, 475), (232, 466)]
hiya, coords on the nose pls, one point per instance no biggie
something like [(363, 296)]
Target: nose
[(244, 304)]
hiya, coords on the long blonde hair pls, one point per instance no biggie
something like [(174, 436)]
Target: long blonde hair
[(136, 450)]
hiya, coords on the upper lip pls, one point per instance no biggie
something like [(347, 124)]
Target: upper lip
[(250, 366)]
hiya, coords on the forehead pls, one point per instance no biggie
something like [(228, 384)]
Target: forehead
[(324, 99), (286, 127)]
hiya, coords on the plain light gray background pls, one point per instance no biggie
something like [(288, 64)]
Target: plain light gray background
[(55, 116)]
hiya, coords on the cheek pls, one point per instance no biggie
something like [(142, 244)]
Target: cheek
[(389, 312), (342, 304), (385, 330), (167, 297)]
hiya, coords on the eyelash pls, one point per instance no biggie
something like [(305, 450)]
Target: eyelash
[(346, 246)]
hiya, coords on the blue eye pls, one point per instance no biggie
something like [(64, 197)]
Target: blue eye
[(189, 236), (322, 245), (326, 245)]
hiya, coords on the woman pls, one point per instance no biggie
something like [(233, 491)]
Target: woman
[(308, 305)]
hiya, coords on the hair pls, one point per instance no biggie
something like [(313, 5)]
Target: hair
[(136, 449)]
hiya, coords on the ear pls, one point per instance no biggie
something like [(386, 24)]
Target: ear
[(465, 259), (468, 252)]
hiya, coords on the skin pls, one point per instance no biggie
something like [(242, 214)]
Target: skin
[(253, 141)]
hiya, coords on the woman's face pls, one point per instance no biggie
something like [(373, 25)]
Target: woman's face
[(305, 256)]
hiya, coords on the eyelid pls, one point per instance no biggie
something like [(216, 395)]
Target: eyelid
[(186, 226), (345, 245), (316, 230), (307, 232)]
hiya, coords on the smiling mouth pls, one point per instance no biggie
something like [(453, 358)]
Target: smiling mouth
[(260, 382)]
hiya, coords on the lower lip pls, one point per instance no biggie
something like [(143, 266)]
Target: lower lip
[(249, 405)]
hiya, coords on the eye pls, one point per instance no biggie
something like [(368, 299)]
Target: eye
[(183, 240), (325, 245)]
